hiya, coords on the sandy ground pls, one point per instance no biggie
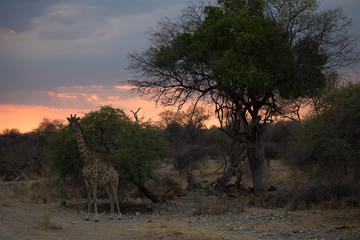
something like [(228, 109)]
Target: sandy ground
[(19, 220)]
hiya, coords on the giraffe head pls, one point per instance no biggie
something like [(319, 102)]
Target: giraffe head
[(73, 119)]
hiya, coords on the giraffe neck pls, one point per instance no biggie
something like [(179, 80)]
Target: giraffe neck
[(84, 148)]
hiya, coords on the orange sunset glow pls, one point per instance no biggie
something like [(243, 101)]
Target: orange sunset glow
[(77, 100), (27, 117), (73, 100)]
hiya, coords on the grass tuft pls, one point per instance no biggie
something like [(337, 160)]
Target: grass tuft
[(47, 225), (210, 207)]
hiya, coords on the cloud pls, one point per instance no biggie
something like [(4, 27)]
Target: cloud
[(125, 87), (65, 96), (18, 15), (74, 42), (89, 97), (70, 21)]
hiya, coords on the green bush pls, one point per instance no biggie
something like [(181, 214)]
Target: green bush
[(136, 149)]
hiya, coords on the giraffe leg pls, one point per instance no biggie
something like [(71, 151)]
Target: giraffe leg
[(94, 188), (111, 198), (88, 190), (114, 188)]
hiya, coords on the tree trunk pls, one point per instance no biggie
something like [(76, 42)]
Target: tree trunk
[(257, 180), (146, 192), (256, 158), (237, 156), (192, 183), (220, 183)]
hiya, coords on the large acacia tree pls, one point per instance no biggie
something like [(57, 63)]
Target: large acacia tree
[(243, 56)]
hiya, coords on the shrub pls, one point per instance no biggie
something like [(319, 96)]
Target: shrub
[(278, 139), (317, 195), (188, 157), (271, 150), (328, 142)]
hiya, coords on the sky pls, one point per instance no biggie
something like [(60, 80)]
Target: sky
[(65, 57)]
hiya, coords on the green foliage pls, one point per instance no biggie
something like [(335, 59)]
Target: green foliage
[(329, 141), (246, 50), (63, 154), (136, 150), (144, 151)]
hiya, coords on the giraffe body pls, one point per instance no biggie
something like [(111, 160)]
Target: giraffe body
[(96, 172)]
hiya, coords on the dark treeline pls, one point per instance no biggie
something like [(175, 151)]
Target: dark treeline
[(325, 144), (23, 154)]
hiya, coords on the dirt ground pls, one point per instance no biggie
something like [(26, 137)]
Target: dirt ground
[(195, 215), (19, 220)]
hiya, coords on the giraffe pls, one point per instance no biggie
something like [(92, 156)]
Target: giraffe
[(95, 172)]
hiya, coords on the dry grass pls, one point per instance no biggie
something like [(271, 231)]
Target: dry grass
[(174, 229), (46, 190), (47, 225), (293, 192), (296, 191), (319, 196), (170, 186), (210, 208), (215, 206)]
